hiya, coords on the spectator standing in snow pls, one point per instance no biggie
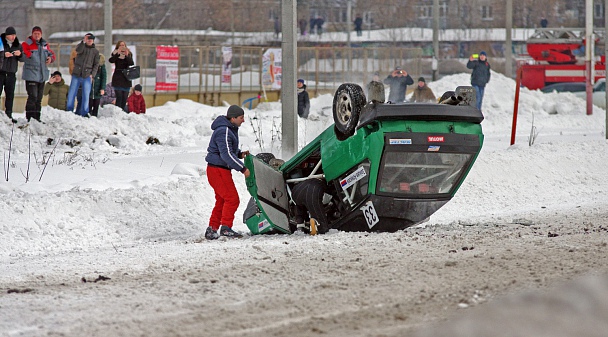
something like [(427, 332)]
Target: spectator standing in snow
[(313, 23), (423, 93), (223, 155), (480, 75), (303, 100), (98, 87), (57, 91), (358, 23), (38, 55), (86, 64), (136, 102), (302, 25), (109, 95), (320, 23), (122, 59), (398, 81), (277, 27), (13, 52), (544, 22)]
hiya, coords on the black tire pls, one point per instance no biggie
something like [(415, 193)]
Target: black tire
[(265, 157), (349, 100)]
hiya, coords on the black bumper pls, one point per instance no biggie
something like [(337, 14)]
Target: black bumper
[(394, 214)]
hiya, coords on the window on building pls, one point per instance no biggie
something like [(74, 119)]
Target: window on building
[(598, 11), (368, 18), (426, 12), (486, 13)]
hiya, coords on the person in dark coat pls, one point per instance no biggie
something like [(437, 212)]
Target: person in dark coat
[(38, 55), (223, 156), (85, 68), (122, 59), (302, 24), (398, 81), (480, 75), (98, 87), (358, 23), (10, 57), (320, 22), (303, 100), (57, 91)]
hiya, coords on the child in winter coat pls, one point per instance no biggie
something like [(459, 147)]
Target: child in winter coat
[(57, 91), (109, 96), (98, 87), (136, 101)]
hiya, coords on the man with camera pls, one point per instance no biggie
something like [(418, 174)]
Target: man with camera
[(13, 52), (480, 75), (398, 81), (86, 64)]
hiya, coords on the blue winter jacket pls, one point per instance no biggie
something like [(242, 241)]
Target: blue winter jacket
[(223, 150)]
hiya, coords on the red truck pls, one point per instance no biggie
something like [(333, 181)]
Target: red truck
[(558, 55)]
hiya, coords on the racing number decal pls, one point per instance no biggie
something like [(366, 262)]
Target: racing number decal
[(369, 213)]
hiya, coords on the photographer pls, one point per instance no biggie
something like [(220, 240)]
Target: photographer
[(123, 59), (13, 52), (86, 64), (398, 81)]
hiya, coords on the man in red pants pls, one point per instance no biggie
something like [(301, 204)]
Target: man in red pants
[(223, 155)]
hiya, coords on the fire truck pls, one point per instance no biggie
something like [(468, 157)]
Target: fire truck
[(558, 55)]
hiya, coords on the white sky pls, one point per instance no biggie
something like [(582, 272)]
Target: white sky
[(98, 196)]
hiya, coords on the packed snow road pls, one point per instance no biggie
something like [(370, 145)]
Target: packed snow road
[(339, 284)]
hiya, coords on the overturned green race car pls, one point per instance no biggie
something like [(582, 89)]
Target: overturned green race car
[(386, 166)]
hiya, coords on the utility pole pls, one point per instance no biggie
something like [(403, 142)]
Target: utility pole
[(435, 38), (589, 54), (107, 35), (289, 115), (509, 45)]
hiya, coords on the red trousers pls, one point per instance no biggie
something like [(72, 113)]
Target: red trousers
[(226, 197)]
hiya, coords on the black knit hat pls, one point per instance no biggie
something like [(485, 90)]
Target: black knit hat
[(421, 79), (10, 31), (137, 87), (234, 111)]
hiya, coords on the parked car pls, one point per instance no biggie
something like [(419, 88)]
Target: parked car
[(564, 87), (599, 93), (386, 166)]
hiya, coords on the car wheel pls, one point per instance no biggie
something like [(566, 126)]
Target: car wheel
[(348, 103), (265, 157)]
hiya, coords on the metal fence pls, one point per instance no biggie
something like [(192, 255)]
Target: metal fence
[(200, 67)]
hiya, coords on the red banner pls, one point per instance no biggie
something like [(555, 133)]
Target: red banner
[(167, 74)]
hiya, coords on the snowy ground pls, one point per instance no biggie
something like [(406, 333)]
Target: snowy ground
[(102, 206)]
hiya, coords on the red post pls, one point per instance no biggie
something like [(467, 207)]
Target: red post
[(516, 103)]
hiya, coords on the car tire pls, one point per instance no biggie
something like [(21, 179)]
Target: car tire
[(349, 100), (265, 157)]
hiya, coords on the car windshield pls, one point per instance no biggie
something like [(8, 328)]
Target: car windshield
[(421, 173)]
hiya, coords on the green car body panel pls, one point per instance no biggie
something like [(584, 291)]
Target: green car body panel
[(390, 136)]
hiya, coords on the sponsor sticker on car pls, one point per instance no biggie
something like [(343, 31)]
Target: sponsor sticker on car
[(352, 178), (399, 141), (263, 225), (434, 148), (435, 139)]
